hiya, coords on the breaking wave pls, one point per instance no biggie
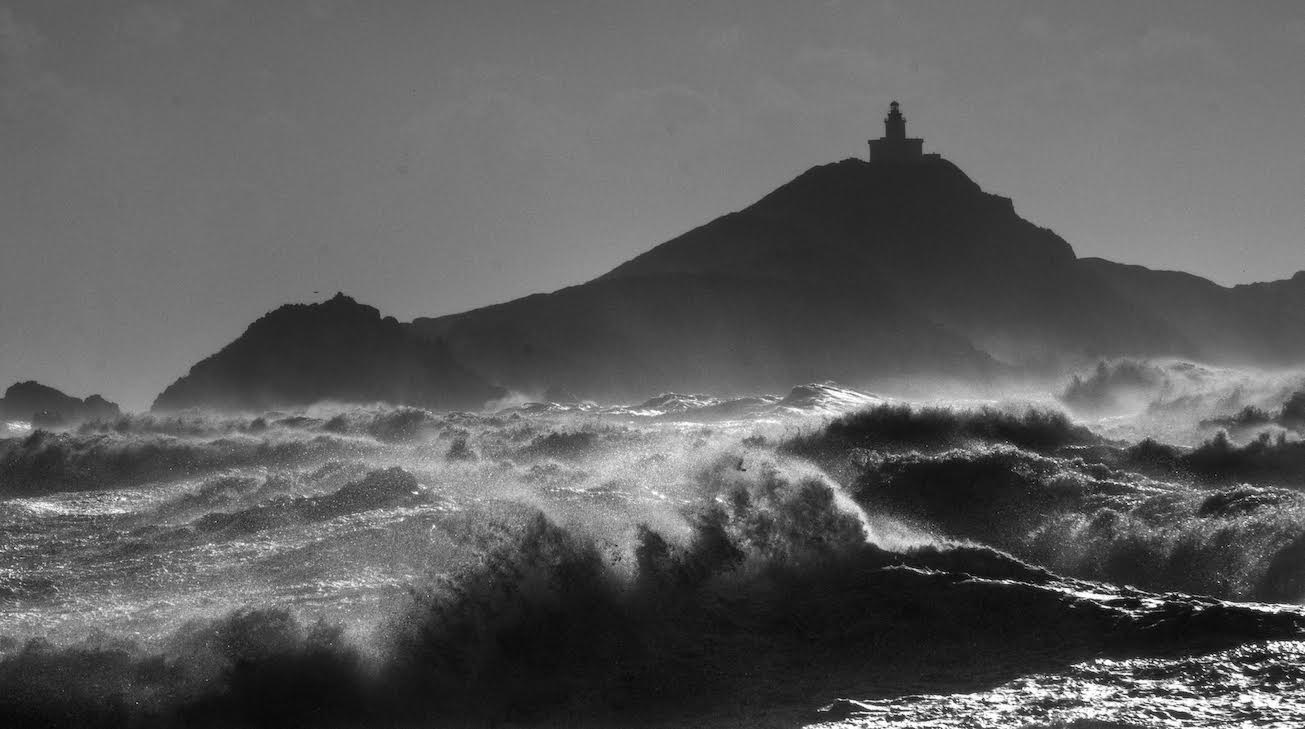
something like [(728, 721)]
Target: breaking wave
[(772, 576), (46, 462)]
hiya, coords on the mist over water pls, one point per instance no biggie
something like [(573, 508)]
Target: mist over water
[(685, 560)]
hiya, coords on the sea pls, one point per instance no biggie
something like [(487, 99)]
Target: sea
[(828, 557)]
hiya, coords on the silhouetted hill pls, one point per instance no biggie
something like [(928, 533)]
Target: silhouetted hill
[(852, 271), (929, 237), (45, 406), (337, 350)]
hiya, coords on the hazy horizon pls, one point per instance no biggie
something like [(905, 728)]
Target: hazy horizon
[(173, 171)]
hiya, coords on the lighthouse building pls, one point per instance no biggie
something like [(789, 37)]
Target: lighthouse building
[(895, 146)]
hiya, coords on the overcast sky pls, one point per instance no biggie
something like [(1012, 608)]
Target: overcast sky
[(170, 171)]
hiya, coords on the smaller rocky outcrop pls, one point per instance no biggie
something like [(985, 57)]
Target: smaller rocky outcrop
[(338, 350), (44, 406)]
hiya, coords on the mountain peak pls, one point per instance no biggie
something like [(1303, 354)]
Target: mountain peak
[(331, 312), (885, 215), (855, 182)]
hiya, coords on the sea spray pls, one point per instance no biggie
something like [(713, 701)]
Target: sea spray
[(348, 565)]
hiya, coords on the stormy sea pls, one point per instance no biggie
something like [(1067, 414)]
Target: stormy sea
[(1127, 550)]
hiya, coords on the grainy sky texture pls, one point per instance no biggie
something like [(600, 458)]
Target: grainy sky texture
[(170, 171)]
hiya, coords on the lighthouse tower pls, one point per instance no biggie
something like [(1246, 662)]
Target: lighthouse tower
[(895, 146)]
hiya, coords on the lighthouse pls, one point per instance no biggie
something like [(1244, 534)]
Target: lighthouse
[(895, 146)]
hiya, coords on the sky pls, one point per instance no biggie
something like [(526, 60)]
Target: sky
[(170, 171)]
